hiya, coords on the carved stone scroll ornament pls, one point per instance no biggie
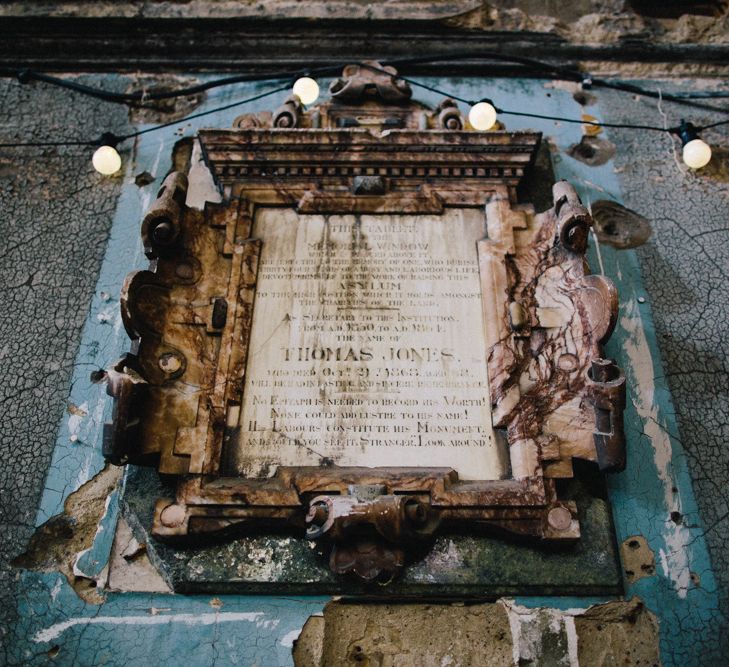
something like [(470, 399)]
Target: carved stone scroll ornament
[(370, 78), (369, 150)]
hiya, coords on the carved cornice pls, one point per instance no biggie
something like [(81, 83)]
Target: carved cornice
[(370, 78), (370, 129), (337, 154)]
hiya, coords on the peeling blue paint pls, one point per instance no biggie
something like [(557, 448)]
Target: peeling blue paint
[(643, 496), (260, 630), (91, 563), (136, 628)]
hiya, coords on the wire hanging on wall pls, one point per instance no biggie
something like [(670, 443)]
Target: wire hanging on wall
[(482, 114), (531, 67), (106, 159)]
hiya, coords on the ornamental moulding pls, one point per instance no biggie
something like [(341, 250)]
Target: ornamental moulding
[(183, 394)]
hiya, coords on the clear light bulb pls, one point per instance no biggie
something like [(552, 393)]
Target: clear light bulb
[(696, 153), (306, 89), (106, 160), (482, 116)]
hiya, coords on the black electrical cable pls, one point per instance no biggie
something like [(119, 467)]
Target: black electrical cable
[(112, 139), (522, 113), (537, 65), (596, 123), (225, 107), (563, 72), (26, 75), (629, 126), (670, 97), (699, 128), (566, 73)]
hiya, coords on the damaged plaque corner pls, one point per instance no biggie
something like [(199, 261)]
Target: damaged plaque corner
[(369, 154)]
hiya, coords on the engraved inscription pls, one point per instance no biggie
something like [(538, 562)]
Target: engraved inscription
[(367, 346)]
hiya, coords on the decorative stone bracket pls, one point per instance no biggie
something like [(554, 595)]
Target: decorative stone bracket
[(369, 529)]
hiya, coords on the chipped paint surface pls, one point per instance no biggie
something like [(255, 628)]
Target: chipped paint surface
[(127, 627), (56, 630), (673, 556), (537, 631), (201, 187), (531, 628), (289, 639), (133, 627)]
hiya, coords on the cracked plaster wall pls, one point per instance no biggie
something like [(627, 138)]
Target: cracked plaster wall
[(54, 222), (55, 215), (685, 267)]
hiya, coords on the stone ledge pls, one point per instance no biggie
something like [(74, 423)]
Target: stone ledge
[(500, 633)]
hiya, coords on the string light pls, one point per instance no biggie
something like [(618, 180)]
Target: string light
[(532, 67), (696, 152), (106, 159), (108, 140), (306, 89), (482, 115)]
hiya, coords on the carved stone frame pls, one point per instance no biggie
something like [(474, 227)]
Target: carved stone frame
[(368, 150)]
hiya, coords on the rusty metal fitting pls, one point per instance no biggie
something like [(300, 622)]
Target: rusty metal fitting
[(393, 517), (606, 390), (373, 561), (416, 512), (129, 391), (604, 370), (559, 518), (573, 219), (173, 516), (368, 530), (161, 225), (320, 517)]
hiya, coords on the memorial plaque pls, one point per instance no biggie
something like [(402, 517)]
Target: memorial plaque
[(367, 345), (370, 341)]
